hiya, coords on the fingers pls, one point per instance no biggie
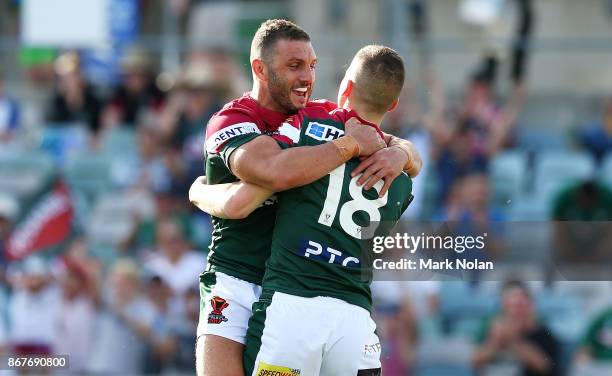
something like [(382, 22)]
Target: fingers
[(374, 178), (388, 181), (365, 163)]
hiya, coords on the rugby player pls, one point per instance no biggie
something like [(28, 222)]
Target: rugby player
[(313, 316), (244, 142)]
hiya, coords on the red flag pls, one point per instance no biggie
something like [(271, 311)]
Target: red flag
[(48, 224)]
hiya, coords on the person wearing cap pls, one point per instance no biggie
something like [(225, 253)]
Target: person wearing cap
[(198, 95), (136, 93), (74, 99)]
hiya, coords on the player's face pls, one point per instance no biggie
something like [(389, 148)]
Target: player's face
[(291, 74)]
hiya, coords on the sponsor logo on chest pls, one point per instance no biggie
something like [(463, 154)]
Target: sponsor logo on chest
[(323, 132)]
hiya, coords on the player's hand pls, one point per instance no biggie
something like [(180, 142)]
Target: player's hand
[(385, 164), (366, 136)]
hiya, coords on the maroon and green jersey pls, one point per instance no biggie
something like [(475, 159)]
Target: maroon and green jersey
[(322, 228), (241, 247)]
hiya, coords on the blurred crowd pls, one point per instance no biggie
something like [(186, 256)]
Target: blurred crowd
[(121, 293)]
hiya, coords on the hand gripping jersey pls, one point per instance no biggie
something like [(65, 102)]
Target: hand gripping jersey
[(318, 236), (240, 248)]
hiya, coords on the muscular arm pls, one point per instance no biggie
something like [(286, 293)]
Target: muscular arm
[(229, 201), (262, 162)]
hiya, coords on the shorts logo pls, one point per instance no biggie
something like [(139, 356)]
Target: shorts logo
[(218, 305), (265, 369)]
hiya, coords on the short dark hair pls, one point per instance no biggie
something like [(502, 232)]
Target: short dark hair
[(270, 32), (379, 77)]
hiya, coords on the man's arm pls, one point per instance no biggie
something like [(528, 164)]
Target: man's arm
[(262, 162), (229, 201)]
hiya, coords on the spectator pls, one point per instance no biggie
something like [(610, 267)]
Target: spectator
[(147, 170), (516, 336), (597, 137), (597, 342), (470, 212), (575, 235), (33, 308), (187, 329), (198, 96), (76, 315), (163, 342), (172, 260), (124, 324), (400, 306), (137, 92), (167, 205), (472, 201), (74, 100), (480, 131), (10, 114), (9, 209)]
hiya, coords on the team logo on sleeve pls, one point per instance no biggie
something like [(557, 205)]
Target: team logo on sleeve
[(323, 132), (223, 135), (218, 305)]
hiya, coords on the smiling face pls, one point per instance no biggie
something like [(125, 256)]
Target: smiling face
[(290, 69)]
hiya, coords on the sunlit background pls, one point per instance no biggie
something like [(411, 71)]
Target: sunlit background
[(103, 107)]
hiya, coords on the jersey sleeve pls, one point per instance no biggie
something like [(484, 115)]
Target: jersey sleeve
[(227, 131)]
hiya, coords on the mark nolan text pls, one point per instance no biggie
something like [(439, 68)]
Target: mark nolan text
[(429, 264)]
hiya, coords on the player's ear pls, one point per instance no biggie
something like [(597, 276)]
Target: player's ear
[(393, 106), (346, 88), (259, 69)]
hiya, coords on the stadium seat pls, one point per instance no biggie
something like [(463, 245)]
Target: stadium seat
[(113, 217), (444, 370), (508, 173), (24, 175), (444, 356), (605, 171), (563, 313), (89, 175), (592, 369), (552, 112), (430, 192), (555, 170), (461, 301), (541, 138), (530, 208), (119, 140), (528, 239), (64, 141)]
